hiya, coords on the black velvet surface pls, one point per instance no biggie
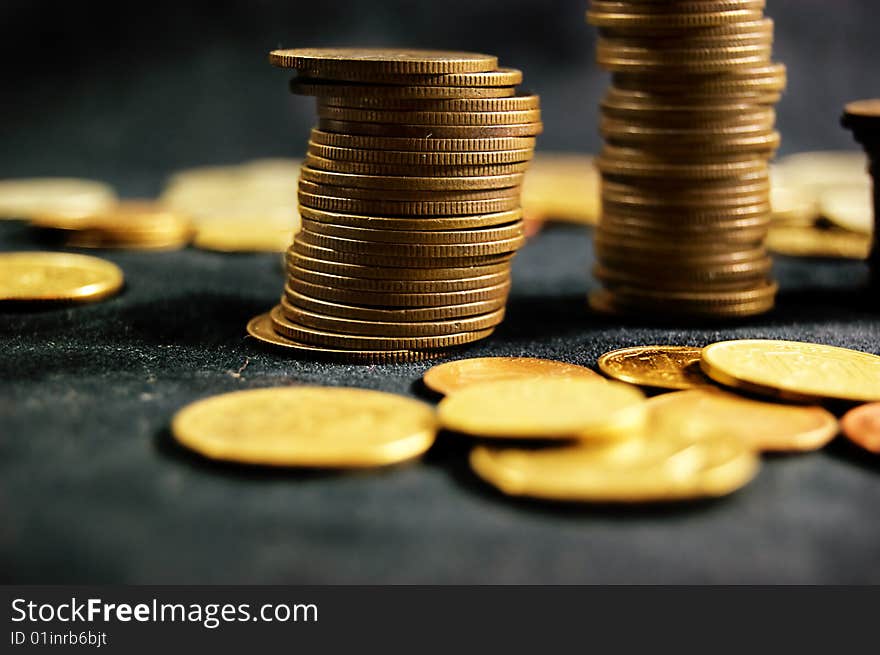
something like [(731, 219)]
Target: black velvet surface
[(92, 488)]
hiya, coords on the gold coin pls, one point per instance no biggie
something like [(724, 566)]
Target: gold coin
[(384, 314), (456, 375), (465, 236), (411, 182), (371, 168), (635, 471), (413, 197), (399, 299), (420, 145), (753, 80), (608, 301), (307, 86), (862, 116), (387, 329), (418, 223), (414, 208), (794, 370), (818, 172), (372, 285), (307, 426), (262, 329), (238, 236), (808, 241), (305, 334), (397, 274), (663, 367), (415, 158), (412, 117), (30, 197), (407, 130), (791, 204), (325, 62), (393, 260), (519, 102), (56, 276), (672, 21), (378, 248), (711, 413), (862, 426), (563, 187), (850, 207), (544, 408), (506, 77)]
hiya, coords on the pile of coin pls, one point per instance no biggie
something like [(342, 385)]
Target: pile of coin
[(410, 202), (863, 119), (689, 130)]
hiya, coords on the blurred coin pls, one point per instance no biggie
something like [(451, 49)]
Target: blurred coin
[(56, 276), (307, 426), (801, 241), (454, 376), (420, 145), (237, 235), (818, 172), (543, 408), (665, 367), (325, 62), (862, 426), (850, 207), (28, 197), (795, 370)]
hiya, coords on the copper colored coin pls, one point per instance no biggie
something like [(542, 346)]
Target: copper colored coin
[(409, 182), (325, 62), (485, 118), (434, 273), (404, 195), (452, 376), (397, 249), (439, 237), (415, 223), (862, 426), (402, 299), (395, 261), (506, 77), (421, 170), (420, 145), (407, 130), (308, 87), (408, 157)]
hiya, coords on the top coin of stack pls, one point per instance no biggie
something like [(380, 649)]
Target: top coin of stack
[(689, 130), (410, 201)]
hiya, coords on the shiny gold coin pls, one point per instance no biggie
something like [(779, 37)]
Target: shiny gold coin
[(663, 367), (762, 78), (372, 285), (390, 273), (29, 197), (415, 158), (608, 301), (407, 130), (862, 116), (56, 276), (324, 338), (411, 182), (687, 60), (465, 236), (237, 236), (639, 471), (563, 187), (484, 118), (862, 426), (818, 172), (453, 376), (794, 370), (392, 260), (611, 162), (519, 102), (388, 315), (808, 241), (506, 77), (309, 87), (414, 208), (261, 328), (419, 145), (378, 248), (672, 21), (325, 62), (390, 329), (307, 426), (399, 299), (413, 197), (792, 205), (711, 413), (417, 223), (544, 408), (851, 208), (372, 168)]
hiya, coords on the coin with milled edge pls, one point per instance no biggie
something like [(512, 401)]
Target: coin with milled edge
[(384, 314), (665, 367), (405, 285), (391, 273), (439, 237), (420, 145), (420, 223), (398, 299), (56, 276), (398, 261), (324, 62), (307, 426), (456, 375)]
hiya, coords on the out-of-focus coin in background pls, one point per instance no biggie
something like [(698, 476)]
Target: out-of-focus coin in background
[(453, 376), (26, 198), (862, 426), (663, 367), (56, 276), (562, 187)]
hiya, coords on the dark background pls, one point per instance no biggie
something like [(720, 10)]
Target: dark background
[(128, 92), (93, 489)]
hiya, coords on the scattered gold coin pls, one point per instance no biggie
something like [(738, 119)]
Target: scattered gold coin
[(562, 187), (810, 241), (56, 276), (850, 207), (26, 198), (544, 408), (307, 426), (663, 367), (650, 470), (700, 413), (454, 376), (794, 370), (862, 426)]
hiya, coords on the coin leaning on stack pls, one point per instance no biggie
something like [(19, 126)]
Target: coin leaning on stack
[(410, 202), (689, 130)]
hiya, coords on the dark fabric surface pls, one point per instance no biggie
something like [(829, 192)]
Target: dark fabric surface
[(92, 489)]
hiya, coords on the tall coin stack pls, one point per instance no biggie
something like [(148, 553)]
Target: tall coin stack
[(689, 130), (410, 201)]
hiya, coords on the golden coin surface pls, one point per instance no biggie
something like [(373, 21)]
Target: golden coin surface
[(543, 408), (420, 145), (411, 182), (439, 237), (310, 87), (499, 77), (409, 130), (633, 471), (59, 276), (241, 236), (429, 117), (29, 197), (307, 426), (663, 367), (453, 376), (809, 241), (850, 207), (862, 426), (518, 102), (564, 187), (262, 329), (430, 223), (794, 369), (820, 171), (709, 413), (324, 62), (416, 158)]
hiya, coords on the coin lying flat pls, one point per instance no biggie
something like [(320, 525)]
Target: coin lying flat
[(56, 276), (635, 471), (26, 198), (454, 376), (563, 187), (794, 370), (307, 426), (543, 408), (232, 235), (664, 367), (700, 413), (325, 62), (810, 241), (850, 207), (862, 426)]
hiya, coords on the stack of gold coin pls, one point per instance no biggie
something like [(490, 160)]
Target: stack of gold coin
[(689, 130), (410, 201), (863, 118)]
